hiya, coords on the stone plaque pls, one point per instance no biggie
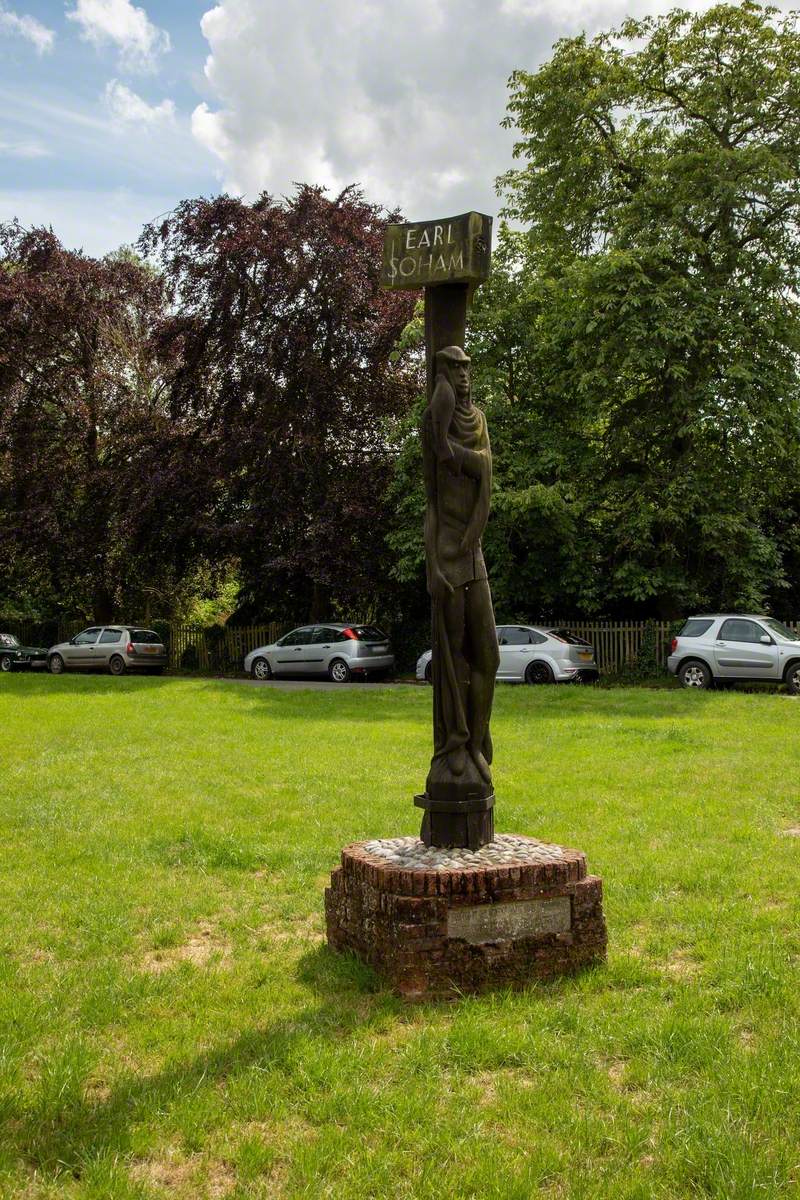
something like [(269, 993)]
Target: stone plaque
[(450, 250), (515, 919)]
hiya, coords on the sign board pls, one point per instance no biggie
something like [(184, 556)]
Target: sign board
[(450, 250), (479, 923)]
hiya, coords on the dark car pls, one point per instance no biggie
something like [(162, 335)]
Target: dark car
[(14, 654)]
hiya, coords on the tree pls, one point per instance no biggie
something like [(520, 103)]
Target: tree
[(540, 545), (660, 195), (95, 512), (282, 342)]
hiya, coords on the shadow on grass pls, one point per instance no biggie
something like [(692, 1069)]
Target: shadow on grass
[(257, 701), (70, 1129), (81, 683)]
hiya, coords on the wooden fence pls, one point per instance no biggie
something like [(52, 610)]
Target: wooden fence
[(217, 647), (619, 645)]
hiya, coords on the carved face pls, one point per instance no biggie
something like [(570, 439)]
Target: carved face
[(459, 377)]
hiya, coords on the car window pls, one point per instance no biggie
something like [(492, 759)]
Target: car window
[(147, 637), (110, 635), (324, 634), (298, 637), (364, 633), (571, 639), (738, 630), (782, 630), (8, 639), (88, 637), (514, 636), (536, 639), (696, 627)]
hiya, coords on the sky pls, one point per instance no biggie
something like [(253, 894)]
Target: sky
[(113, 111)]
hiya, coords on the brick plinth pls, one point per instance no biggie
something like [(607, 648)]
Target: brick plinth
[(533, 913)]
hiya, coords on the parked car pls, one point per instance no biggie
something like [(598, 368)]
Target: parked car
[(116, 648), (14, 654), (335, 650), (728, 647), (532, 655)]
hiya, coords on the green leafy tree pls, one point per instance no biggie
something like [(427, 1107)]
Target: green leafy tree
[(651, 307)]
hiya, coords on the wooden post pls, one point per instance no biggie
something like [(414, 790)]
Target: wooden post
[(448, 258)]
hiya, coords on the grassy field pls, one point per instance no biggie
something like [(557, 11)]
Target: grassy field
[(172, 1024)]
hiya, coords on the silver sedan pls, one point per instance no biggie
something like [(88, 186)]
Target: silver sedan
[(336, 650), (532, 655)]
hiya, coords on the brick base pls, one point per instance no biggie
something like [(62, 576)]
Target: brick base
[(446, 931)]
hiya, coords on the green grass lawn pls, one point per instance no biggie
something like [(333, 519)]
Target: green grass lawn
[(172, 1024)]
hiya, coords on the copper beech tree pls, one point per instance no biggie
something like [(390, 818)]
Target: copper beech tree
[(225, 397), (281, 349), (97, 509)]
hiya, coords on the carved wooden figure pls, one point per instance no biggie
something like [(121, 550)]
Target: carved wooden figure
[(458, 800)]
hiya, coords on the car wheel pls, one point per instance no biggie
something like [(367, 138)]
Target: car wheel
[(117, 665), (793, 679), (261, 669), (695, 674), (538, 672), (5, 663), (339, 671), (56, 664), (429, 673)]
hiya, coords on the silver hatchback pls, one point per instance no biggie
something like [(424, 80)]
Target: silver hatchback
[(335, 650), (116, 648), (532, 655), (731, 648)]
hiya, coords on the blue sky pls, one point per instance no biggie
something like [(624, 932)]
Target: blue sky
[(70, 154), (112, 111)]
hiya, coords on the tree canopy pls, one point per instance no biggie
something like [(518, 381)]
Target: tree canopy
[(243, 392), (94, 509), (281, 341), (658, 195)]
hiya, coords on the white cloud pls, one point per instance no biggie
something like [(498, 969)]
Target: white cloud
[(27, 27), (25, 148), (402, 96), (126, 107), (120, 23), (596, 14)]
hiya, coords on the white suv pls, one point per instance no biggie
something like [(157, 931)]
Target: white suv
[(729, 647)]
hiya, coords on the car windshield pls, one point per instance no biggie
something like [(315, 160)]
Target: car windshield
[(145, 635), (781, 629), (571, 639), (8, 640)]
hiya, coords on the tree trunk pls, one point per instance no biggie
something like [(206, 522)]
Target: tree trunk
[(102, 605), (319, 602)]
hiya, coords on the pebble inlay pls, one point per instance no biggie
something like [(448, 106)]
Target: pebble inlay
[(506, 850)]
